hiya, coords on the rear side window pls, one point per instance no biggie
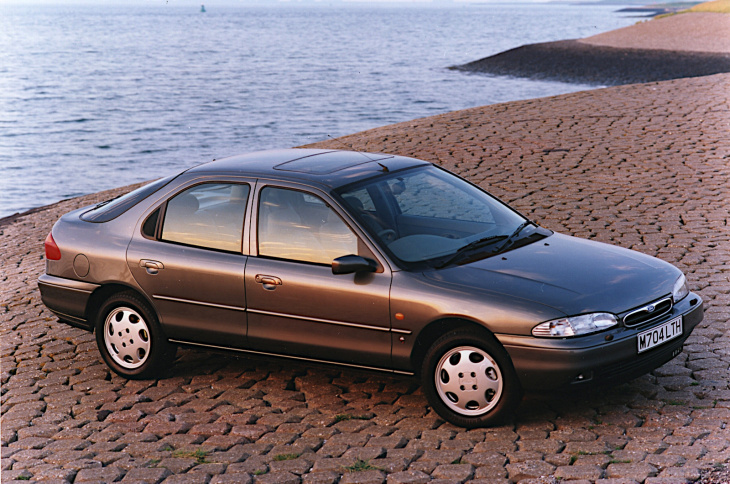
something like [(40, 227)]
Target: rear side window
[(209, 216), (111, 209)]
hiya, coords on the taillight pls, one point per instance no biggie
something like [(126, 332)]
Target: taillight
[(52, 250)]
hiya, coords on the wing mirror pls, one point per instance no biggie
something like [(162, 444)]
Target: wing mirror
[(348, 264)]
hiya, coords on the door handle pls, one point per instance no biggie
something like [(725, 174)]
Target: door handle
[(269, 282), (152, 266)]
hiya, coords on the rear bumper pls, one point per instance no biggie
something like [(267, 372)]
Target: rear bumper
[(67, 298), (606, 357)]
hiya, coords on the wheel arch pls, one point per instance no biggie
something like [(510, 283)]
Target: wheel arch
[(105, 292), (434, 330)]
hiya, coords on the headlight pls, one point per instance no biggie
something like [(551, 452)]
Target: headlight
[(680, 289), (575, 325)]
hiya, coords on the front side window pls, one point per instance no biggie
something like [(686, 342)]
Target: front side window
[(298, 226), (208, 215)]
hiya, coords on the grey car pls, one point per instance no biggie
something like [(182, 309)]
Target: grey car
[(366, 260)]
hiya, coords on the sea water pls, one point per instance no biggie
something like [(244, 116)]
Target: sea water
[(95, 97)]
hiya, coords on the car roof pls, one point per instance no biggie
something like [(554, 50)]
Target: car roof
[(332, 168)]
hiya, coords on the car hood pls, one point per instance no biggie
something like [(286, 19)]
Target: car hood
[(569, 274)]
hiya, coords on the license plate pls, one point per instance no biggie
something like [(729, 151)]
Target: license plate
[(659, 335)]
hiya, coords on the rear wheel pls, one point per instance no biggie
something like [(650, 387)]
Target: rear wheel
[(469, 379), (129, 337)]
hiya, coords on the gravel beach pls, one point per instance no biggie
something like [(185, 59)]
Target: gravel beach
[(679, 46)]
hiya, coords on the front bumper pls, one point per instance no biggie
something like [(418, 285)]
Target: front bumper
[(607, 357), (67, 298)]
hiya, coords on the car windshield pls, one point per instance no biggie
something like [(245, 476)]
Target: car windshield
[(428, 217)]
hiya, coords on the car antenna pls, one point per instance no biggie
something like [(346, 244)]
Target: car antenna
[(350, 148)]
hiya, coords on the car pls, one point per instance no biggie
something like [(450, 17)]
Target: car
[(367, 260)]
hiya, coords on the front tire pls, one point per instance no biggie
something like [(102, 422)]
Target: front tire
[(129, 337), (469, 379)]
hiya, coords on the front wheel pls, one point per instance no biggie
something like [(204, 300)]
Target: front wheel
[(469, 379), (129, 338)]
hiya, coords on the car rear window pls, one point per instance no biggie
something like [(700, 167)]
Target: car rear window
[(113, 208)]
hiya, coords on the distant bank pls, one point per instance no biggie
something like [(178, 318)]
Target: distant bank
[(678, 46)]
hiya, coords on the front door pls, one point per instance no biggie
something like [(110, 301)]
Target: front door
[(296, 306)]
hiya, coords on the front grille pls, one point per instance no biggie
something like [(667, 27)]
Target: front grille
[(648, 313)]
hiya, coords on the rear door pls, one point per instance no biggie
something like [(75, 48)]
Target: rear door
[(188, 256)]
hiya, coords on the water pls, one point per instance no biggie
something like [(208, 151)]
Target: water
[(94, 97)]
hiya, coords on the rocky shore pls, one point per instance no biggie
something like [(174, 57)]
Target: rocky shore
[(685, 45)]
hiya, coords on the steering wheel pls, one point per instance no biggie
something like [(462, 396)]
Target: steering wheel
[(387, 235)]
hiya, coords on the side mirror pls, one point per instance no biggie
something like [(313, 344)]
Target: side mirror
[(348, 264)]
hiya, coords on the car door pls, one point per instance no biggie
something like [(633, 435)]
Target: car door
[(296, 305), (189, 259)]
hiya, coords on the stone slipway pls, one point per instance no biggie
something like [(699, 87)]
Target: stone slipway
[(679, 46), (643, 166)]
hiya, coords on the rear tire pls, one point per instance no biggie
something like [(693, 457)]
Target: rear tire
[(469, 379), (129, 338)]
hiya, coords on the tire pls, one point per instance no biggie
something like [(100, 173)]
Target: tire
[(129, 338), (469, 379)]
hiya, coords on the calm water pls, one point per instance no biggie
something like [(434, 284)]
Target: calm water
[(97, 97)]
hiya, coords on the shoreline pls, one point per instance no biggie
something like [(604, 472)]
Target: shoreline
[(104, 194)]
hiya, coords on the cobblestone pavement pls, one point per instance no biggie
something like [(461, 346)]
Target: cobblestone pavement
[(645, 167)]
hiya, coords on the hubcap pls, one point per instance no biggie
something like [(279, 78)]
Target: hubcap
[(127, 338), (468, 381)]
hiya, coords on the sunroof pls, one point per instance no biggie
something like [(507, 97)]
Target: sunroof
[(322, 164)]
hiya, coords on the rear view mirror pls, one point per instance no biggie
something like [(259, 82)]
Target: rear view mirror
[(348, 264)]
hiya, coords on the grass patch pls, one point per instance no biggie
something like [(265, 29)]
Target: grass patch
[(361, 465), (620, 461), (260, 472), (282, 457), (583, 452), (716, 6), (198, 454), (347, 416)]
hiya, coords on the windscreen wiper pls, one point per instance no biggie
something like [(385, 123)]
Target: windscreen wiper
[(511, 239), (469, 247)]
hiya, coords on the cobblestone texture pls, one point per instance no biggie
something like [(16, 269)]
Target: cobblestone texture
[(645, 167)]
